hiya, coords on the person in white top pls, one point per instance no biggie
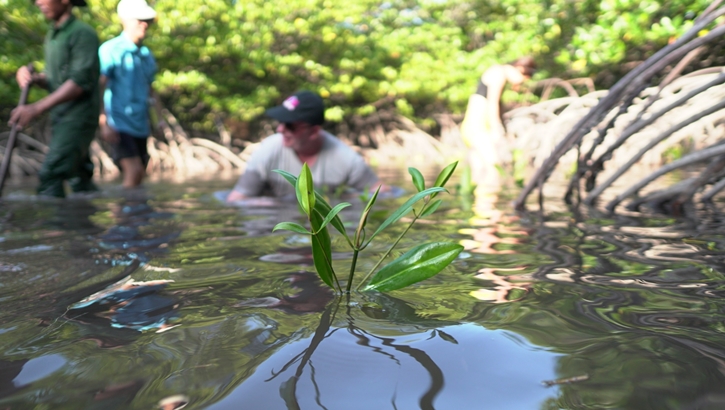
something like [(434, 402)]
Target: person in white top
[(300, 139)]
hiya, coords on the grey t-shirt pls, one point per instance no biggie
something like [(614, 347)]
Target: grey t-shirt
[(337, 165)]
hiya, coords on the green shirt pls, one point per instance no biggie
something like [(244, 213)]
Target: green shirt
[(71, 53)]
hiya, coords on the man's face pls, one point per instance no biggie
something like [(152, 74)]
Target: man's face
[(136, 29), (297, 135), (52, 9)]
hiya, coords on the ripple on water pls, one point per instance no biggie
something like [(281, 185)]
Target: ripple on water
[(620, 312)]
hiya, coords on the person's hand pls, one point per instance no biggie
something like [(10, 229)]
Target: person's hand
[(109, 135), (383, 188), (24, 76), (235, 196), (22, 115)]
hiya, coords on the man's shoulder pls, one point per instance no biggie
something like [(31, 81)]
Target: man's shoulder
[(83, 28), (110, 45), (337, 145), (268, 146), (113, 41), (274, 140), (117, 44)]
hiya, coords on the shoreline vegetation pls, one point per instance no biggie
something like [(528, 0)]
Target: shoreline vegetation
[(396, 77)]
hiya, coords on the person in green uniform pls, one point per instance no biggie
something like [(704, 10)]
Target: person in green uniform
[(71, 76)]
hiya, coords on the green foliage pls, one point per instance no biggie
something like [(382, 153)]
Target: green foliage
[(234, 59), (420, 263), (674, 153)]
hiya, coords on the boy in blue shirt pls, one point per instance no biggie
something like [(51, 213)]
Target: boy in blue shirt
[(127, 71)]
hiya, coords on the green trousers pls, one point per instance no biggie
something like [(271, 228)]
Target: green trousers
[(68, 159)]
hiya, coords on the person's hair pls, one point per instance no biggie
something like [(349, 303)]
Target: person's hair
[(527, 63)]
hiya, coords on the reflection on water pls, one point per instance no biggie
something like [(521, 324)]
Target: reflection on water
[(399, 361), (129, 304), (171, 299)]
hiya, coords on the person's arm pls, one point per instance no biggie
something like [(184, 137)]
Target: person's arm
[(363, 177), (108, 134), (248, 186), (22, 115), (82, 77)]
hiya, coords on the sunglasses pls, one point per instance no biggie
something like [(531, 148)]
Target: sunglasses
[(294, 127)]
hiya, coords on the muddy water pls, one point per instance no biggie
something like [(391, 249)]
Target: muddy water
[(122, 303)]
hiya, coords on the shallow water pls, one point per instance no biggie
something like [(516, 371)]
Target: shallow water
[(561, 310)]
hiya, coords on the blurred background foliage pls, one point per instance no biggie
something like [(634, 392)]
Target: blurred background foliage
[(229, 60)]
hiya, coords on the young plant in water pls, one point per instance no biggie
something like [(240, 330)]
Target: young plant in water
[(419, 263)]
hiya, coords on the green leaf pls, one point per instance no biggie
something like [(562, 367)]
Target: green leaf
[(431, 208), (320, 205), (321, 244), (291, 226), (419, 263), (445, 175), (364, 218), (333, 213), (404, 209), (418, 179), (322, 251), (286, 175), (305, 190), (323, 208)]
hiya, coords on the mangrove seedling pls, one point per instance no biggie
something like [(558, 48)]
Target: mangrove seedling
[(419, 263)]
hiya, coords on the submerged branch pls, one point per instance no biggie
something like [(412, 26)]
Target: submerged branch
[(636, 157), (638, 126), (690, 159)]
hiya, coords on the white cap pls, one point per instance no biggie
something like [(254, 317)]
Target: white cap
[(135, 9)]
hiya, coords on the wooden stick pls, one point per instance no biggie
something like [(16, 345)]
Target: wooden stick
[(11, 139)]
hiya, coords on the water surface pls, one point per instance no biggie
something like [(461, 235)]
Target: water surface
[(560, 310)]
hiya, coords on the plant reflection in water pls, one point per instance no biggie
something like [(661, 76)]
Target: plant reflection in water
[(375, 307)]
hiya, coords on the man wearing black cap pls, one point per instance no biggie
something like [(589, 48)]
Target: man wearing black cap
[(300, 139), (71, 75)]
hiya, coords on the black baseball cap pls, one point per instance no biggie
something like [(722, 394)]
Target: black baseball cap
[(305, 106), (78, 3)]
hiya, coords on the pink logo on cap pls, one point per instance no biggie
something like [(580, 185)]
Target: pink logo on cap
[(291, 103)]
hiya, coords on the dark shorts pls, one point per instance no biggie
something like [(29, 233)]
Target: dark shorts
[(130, 146)]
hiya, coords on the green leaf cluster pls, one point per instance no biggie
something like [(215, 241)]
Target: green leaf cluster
[(235, 58), (419, 263)]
